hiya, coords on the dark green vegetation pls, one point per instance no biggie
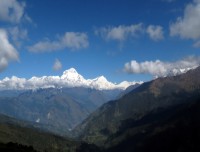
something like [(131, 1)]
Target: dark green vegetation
[(17, 136), (160, 113), (40, 141), (176, 129), (55, 110), (128, 90), (14, 147)]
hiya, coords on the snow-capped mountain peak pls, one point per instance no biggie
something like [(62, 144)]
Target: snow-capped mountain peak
[(69, 78), (178, 71), (101, 79), (72, 75), (70, 71), (102, 83)]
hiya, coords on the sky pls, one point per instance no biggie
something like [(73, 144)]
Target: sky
[(129, 40)]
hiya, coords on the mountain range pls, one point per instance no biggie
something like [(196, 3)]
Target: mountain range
[(61, 109), (70, 78), (61, 102), (146, 112), (58, 103), (159, 115)]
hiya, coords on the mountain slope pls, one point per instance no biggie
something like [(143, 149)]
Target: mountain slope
[(15, 131), (174, 129), (127, 90), (23, 136), (58, 110), (50, 107), (149, 97)]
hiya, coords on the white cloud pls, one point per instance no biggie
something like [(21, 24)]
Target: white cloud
[(71, 40), (75, 40), (11, 10), (187, 27), (121, 32), (160, 68), (57, 65), (46, 46), (155, 32), (7, 51)]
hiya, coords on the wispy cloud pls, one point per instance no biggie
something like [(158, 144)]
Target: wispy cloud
[(197, 44), (7, 51), (71, 40), (187, 26), (121, 32), (155, 32), (57, 65), (12, 11), (161, 68), (17, 34)]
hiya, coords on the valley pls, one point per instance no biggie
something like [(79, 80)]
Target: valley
[(100, 76), (164, 108), (57, 109)]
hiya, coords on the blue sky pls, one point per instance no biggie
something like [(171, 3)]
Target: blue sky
[(120, 39)]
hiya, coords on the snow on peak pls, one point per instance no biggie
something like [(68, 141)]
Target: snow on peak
[(69, 78), (176, 71), (71, 71), (101, 79), (72, 75), (102, 83)]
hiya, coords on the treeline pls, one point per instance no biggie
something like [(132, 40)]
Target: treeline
[(15, 147)]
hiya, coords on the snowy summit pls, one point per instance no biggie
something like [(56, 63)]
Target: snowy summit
[(69, 78)]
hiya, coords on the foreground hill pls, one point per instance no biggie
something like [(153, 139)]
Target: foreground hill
[(174, 129), (14, 131), (146, 114)]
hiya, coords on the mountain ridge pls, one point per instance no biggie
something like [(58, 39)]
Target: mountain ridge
[(150, 96), (70, 78), (56, 109)]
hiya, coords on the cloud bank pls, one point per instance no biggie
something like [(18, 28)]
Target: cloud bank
[(71, 40), (7, 51), (159, 68)]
